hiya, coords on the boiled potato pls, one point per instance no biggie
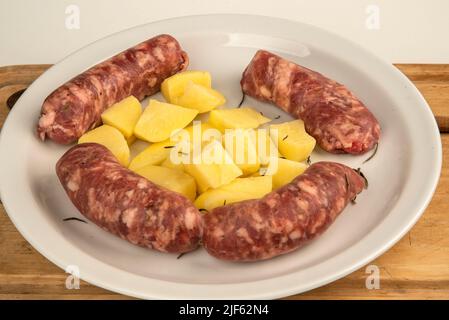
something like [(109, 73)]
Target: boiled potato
[(240, 144), (171, 179), (213, 167), (237, 118), (112, 139), (266, 148), (174, 86), (284, 171), (238, 190), (123, 115), (200, 98), (154, 154), (292, 140), (198, 132), (168, 163), (160, 120)]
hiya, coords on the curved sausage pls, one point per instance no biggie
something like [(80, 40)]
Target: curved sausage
[(284, 219), (126, 204), (76, 106), (331, 113)]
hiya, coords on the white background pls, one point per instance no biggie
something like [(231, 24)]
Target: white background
[(414, 31)]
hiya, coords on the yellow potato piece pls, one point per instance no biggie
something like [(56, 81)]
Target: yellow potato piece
[(112, 139), (154, 154), (213, 167), (266, 148), (292, 140), (171, 179), (284, 171), (168, 163), (240, 144), (236, 118), (123, 115), (160, 120), (174, 86), (238, 190), (200, 98)]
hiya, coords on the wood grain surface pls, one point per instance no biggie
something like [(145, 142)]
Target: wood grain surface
[(417, 267)]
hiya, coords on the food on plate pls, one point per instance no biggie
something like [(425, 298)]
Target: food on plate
[(76, 106), (212, 167), (125, 203), (292, 140), (238, 190), (168, 163), (199, 97), (241, 145), (284, 171), (284, 219), (237, 118), (112, 139), (172, 179), (332, 114), (174, 86), (154, 154), (266, 149), (160, 120), (123, 115)]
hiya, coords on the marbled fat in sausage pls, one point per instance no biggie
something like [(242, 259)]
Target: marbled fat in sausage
[(284, 219), (76, 106), (338, 120), (126, 204)]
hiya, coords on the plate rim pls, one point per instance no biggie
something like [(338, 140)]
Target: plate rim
[(273, 293)]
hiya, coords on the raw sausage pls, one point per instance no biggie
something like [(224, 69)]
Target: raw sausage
[(126, 204), (284, 219), (337, 119), (76, 106)]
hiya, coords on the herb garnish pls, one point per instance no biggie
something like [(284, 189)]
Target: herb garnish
[(74, 219), (243, 99), (373, 154)]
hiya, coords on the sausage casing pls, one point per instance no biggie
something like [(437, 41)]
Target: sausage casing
[(76, 106), (284, 219), (336, 118), (126, 204)]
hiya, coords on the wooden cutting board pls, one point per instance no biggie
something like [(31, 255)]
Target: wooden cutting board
[(417, 267)]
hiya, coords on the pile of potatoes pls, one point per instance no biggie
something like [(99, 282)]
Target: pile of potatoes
[(233, 156)]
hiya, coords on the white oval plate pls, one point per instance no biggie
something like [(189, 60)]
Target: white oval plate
[(402, 176)]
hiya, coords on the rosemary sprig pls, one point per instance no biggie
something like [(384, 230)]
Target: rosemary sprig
[(373, 154), (74, 219)]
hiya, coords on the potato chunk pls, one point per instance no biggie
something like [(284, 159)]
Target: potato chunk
[(154, 154), (159, 121), (237, 118), (240, 144), (292, 140), (200, 98), (238, 190), (284, 171), (266, 148), (213, 167), (171, 179), (174, 86), (123, 115), (112, 139)]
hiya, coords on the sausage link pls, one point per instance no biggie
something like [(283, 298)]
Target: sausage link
[(284, 219), (76, 106), (337, 119), (126, 204)]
